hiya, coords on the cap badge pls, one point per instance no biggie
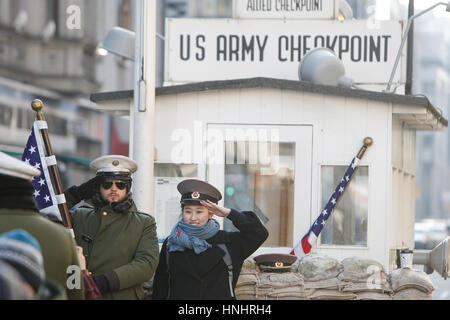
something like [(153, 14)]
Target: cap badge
[(115, 163), (195, 195), (278, 264)]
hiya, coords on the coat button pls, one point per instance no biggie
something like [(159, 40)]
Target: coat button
[(105, 213)]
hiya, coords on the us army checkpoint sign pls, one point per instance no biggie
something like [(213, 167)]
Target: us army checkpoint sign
[(220, 49), (285, 9)]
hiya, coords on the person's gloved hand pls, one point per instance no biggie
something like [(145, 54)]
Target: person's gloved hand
[(84, 191), (106, 282)]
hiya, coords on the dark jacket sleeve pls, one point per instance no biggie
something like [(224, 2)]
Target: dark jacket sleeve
[(160, 281), (252, 233)]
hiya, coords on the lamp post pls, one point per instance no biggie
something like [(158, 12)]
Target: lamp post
[(405, 36), (140, 47), (142, 115)]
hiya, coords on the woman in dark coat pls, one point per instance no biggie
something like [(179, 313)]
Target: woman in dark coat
[(192, 264)]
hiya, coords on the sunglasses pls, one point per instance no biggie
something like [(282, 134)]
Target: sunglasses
[(119, 184)]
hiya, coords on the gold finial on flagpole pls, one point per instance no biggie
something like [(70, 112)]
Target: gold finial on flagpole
[(368, 141), (37, 105)]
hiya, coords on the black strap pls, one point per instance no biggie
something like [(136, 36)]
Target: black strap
[(168, 273), (229, 264)]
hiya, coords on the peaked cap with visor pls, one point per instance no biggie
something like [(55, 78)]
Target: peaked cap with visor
[(193, 191), (114, 167)]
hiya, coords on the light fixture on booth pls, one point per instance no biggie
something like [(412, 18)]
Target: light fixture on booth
[(405, 36), (437, 259), (101, 51), (321, 66), (345, 11), (120, 41)]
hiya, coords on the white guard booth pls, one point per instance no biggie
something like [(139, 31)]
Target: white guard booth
[(280, 147)]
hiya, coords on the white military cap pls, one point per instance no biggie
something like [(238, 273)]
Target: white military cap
[(11, 166), (115, 164)]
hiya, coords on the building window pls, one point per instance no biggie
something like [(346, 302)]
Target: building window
[(53, 14), (125, 15), (6, 117), (270, 196), (166, 205), (176, 8), (347, 225)]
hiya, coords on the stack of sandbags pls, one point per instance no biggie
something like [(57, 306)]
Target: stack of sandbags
[(320, 277), (253, 284), (365, 278), (247, 281), (409, 284), (280, 286)]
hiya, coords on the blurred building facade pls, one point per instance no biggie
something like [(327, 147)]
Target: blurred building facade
[(431, 77), (48, 50)]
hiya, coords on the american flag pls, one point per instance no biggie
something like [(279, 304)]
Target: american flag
[(304, 246), (34, 155)]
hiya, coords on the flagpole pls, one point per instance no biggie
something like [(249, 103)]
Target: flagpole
[(304, 246), (37, 105)]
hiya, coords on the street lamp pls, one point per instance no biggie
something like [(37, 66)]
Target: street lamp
[(140, 47), (121, 42), (405, 36)]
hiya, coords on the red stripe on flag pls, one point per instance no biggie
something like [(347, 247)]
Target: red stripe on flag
[(306, 245)]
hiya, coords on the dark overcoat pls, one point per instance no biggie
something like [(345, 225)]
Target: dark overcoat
[(204, 276), (122, 242)]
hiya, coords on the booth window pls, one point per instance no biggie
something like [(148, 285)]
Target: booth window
[(250, 184), (347, 225), (166, 206), (175, 170)]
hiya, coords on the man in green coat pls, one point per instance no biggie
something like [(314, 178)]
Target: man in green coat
[(18, 211), (119, 242)]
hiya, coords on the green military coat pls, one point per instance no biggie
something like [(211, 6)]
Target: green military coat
[(125, 243), (57, 245)]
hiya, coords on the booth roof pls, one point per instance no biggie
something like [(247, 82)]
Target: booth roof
[(420, 100)]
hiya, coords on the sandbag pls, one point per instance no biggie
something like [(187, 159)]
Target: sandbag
[(324, 294), (245, 292), (373, 296), (293, 292), (332, 283), (247, 279), (249, 265), (315, 267), (409, 278), (412, 294), (365, 287), (356, 269), (280, 280)]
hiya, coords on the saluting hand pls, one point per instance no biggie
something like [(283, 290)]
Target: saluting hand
[(215, 209)]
